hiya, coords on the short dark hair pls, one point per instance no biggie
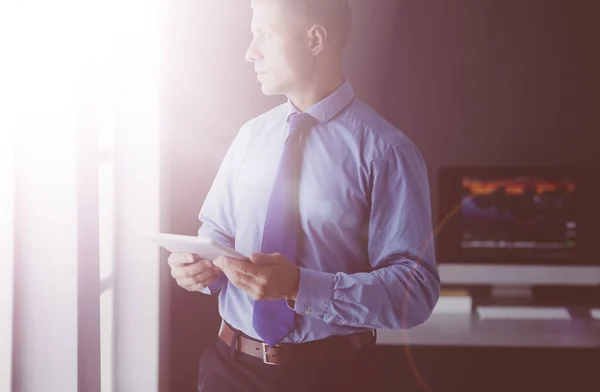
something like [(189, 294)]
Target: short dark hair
[(334, 15)]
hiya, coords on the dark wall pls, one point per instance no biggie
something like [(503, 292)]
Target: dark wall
[(470, 81), (495, 82)]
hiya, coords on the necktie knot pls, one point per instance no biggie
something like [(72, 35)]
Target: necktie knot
[(299, 122)]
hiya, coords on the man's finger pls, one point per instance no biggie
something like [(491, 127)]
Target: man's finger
[(264, 259), (241, 266), (250, 289), (178, 259), (232, 274), (200, 286), (197, 279), (190, 270), (237, 277), (190, 282)]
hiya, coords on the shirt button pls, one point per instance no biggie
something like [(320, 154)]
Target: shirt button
[(308, 311)]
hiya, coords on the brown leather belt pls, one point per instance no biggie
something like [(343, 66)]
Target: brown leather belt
[(335, 347)]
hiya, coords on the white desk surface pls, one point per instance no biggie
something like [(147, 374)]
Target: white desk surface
[(464, 329)]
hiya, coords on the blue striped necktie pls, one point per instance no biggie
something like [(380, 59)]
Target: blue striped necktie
[(273, 320)]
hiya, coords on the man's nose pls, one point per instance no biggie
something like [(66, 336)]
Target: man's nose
[(252, 54)]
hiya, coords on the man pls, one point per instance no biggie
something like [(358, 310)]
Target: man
[(331, 202)]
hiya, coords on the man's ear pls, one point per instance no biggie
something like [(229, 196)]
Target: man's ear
[(318, 37)]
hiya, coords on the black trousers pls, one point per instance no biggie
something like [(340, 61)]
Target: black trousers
[(222, 370)]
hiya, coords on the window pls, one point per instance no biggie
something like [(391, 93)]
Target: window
[(48, 90), (6, 261), (105, 101), (106, 222)]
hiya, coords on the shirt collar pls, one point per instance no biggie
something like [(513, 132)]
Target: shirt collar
[(328, 107)]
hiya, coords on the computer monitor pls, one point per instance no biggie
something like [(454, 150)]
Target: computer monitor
[(518, 225)]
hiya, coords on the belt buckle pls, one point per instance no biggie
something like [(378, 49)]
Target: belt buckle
[(264, 352)]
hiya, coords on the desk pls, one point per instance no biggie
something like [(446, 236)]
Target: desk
[(461, 352), (468, 330)]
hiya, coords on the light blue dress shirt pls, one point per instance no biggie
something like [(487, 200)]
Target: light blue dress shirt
[(366, 249)]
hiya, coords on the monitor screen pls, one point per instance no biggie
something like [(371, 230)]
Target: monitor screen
[(527, 217), (512, 215)]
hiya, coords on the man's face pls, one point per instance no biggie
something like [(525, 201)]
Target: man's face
[(280, 50)]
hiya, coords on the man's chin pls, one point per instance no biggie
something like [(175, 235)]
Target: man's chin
[(269, 90)]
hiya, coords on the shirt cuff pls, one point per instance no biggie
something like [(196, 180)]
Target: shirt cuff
[(314, 293)]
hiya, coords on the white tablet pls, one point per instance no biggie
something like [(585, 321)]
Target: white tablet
[(201, 246)]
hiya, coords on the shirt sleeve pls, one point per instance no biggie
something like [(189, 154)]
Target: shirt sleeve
[(403, 286), (217, 215)]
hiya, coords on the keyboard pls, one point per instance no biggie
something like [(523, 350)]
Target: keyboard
[(523, 313)]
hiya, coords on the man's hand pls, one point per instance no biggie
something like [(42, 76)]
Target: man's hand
[(191, 272), (264, 276)]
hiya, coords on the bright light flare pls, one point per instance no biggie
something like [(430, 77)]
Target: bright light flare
[(70, 67)]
